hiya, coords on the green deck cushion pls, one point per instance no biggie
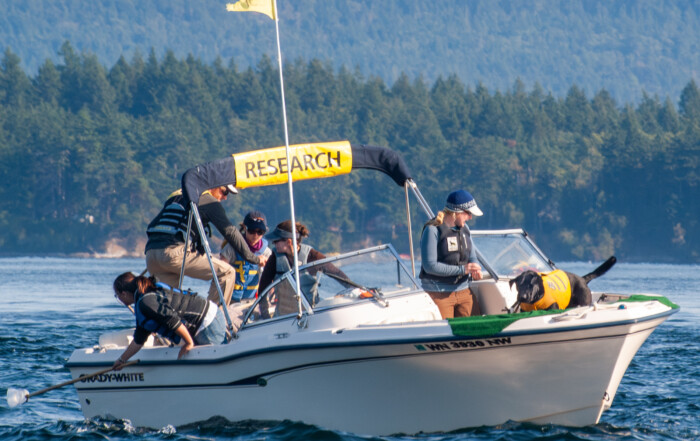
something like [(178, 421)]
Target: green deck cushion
[(486, 325), (644, 298)]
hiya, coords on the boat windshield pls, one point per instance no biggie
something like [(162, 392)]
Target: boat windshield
[(371, 273), (509, 253), (366, 275)]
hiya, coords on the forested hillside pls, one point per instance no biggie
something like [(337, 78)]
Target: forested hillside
[(623, 46), (88, 154)]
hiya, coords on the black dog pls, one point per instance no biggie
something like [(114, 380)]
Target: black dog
[(531, 288)]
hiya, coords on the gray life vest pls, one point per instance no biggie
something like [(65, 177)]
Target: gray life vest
[(283, 263), (453, 248), (306, 281)]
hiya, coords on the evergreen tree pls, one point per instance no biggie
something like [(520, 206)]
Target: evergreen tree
[(93, 152), (15, 86)]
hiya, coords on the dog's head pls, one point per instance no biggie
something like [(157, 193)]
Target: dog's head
[(530, 287)]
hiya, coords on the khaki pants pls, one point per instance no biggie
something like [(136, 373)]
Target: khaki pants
[(456, 303), (165, 264)]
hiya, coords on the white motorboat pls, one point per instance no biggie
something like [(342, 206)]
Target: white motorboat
[(364, 349)]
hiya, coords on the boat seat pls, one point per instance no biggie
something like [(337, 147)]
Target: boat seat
[(490, 299), (238, 310)]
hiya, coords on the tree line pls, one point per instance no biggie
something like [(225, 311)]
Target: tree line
[(89, 153)]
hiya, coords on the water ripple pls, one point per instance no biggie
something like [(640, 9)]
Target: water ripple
[(658, 399)]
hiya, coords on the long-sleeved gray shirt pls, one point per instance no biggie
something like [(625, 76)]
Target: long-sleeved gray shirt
[(431, 265)]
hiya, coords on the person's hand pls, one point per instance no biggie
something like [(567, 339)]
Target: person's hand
[(187, 347), (263, 260), (475, 270), (118, 363)]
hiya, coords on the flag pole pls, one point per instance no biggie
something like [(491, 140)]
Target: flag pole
[(289, 164)]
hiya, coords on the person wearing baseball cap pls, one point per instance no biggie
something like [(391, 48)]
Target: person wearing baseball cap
[(462, 201), (448, 257), (253, 229), (167, 233)]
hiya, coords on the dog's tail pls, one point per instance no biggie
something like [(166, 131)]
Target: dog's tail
[(602, 269)]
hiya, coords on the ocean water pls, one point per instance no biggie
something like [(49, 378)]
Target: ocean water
[(51, 306)]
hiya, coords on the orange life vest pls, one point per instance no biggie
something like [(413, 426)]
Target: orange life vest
[(557, 289)]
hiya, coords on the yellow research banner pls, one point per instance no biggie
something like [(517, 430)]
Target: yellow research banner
[(309, 161)]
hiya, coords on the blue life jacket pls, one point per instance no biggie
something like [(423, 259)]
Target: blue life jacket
[(247, 275), (162, 285)]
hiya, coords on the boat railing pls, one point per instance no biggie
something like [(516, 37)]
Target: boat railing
[(351, 277)]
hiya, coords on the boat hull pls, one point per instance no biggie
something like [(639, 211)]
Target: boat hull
[(380, 380)]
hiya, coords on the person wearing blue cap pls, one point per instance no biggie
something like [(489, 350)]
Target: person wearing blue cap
[(448, 257), (253, 228)]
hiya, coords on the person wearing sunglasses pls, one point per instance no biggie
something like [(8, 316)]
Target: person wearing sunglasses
[(166, 242), (282, 257), (179, 316), (253, 228)]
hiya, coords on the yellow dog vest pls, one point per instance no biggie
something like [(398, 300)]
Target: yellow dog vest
[(557, 289)]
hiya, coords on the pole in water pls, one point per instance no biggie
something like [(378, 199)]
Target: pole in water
[(15, 397)]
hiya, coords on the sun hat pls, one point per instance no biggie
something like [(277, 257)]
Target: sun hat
[(279, 234), (461, 200), (255, 220)]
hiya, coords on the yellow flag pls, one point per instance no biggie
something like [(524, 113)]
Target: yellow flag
[(263, 6)]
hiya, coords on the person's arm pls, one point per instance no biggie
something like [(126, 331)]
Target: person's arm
[(428, 253), (188, 342), (328, 268), (132, 349), (227, 254), (266, 278), (473, 266), (268, 274), (214, 213)]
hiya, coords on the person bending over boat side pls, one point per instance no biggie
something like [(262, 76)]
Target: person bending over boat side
[(448, 257), (282, 257), (166, 242), (253, 227), (169, 312)]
